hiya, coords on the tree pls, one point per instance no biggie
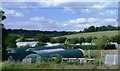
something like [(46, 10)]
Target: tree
[(43, 38), (11, 41), (102, 42), (115, 38), (4, 36), (90, 29), (72, 41), (81, 40), (2, 17), (89, 39)]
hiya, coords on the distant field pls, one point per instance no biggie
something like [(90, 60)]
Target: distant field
[(97, 34)]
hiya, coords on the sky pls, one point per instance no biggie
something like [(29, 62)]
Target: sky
[(50, 15)]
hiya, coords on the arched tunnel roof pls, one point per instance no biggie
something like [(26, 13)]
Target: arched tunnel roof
[(75, 53)]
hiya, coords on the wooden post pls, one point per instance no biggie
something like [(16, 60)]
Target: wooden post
[(89, 53), (101, 58)]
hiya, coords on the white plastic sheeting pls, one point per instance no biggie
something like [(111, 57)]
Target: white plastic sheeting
[(32, 44), (112, 59), (50, 50)]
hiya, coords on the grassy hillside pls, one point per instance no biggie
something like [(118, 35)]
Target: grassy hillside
[(97, 34)]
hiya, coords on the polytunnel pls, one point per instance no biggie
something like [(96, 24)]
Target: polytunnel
[(44, 48), (18, 53), (75, 53)]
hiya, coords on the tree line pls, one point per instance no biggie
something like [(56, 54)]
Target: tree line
[(33, 33), (101, 28)]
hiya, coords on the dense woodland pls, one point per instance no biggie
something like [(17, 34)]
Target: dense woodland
[(33, 33)]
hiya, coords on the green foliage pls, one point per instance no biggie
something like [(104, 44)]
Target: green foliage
[(33, 33), (115, 38), (110, 46), (101, 28), (11, 41), (40, 44), (4, 45), (93, 34), (84, 47), (90, 29), (72, 41), (89, 39), (49, 66), (104, 40), (43, 38), (4, 36), (82, 40), (56, 58), (58, 40)]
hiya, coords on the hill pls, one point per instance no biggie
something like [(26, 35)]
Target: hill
[(92, 34)]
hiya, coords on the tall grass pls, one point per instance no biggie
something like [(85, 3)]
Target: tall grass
[(53, 65)]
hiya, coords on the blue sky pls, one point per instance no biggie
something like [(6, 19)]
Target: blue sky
[(61, 16)]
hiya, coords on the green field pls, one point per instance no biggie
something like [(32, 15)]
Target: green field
[(92, 34)]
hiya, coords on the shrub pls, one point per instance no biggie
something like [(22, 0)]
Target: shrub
[(109, 46), (58, 40), (40, 44), (84, 47)]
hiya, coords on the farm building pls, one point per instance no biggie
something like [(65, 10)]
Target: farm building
[(112, 59), (75, 53), (32, 44)]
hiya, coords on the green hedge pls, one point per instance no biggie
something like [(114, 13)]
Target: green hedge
[(85, 47), (89, 47)]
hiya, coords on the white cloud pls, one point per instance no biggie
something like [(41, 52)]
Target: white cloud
[(108, 12), (76, 24), (111, 20), (92, 19), (48, 3), (82, 7), (85, 10), (46, 24), (65, 24), (100, 5), (35, 23), (78, 21), (13, 13), (17, 14), (67, 8), (37, 19)]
